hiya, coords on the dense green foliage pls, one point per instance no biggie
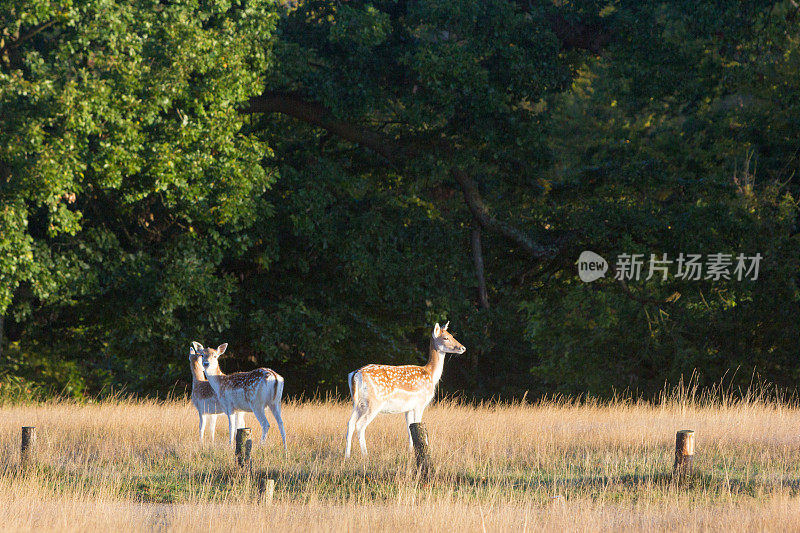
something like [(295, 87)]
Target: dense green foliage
[(304, 182)]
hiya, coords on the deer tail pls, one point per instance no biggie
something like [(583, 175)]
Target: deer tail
[(277, 389), (351, 382)]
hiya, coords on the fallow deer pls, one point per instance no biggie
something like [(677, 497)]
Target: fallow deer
[(252, 391), (204, 399), (397, 389)]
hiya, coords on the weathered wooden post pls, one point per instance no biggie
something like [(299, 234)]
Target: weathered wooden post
[(28, 447), (244, 445), (684, 455), (419, 436), (267, 489)]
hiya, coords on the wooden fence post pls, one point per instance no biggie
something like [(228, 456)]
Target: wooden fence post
[(244, 446), (28, 447), (684, 455), (419, 436), (267, 489)]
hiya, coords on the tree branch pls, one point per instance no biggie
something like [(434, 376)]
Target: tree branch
[(482, 216), (16, 41), (477, 259), (294, 105), (313, 113)]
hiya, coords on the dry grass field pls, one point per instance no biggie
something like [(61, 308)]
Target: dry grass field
[(556, 465)]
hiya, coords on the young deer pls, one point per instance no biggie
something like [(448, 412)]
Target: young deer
[(252, 391), (397, 389), (203, 397)]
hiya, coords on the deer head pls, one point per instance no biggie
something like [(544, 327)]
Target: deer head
[(210, 357), (195, 360), (444, 342)]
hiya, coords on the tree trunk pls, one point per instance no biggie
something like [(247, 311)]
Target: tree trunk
[(483, 299), (477, 259)]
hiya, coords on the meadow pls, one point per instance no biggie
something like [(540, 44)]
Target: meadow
[(554, 465)]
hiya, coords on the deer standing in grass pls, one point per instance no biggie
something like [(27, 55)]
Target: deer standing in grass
[(252, 391), (397, 389), (203, 397)]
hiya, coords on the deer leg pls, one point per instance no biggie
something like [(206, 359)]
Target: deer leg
[(276, 412), (232, 427), (351, 427), (212, 426), (418, 413), (240, 419), (202, 424), (262, 419), (409, 420), (361, 427)]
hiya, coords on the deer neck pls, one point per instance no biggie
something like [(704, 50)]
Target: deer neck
[(435, 363), (197, 377), (215, 380)]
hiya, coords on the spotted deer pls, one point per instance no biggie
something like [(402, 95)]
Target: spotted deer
[(397, 389), (252, 391), (203, 397)]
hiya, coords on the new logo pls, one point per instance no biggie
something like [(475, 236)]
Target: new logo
[(591, 266)]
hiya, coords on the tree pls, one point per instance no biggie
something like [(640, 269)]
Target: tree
[(126, 173), (490, 98), (318, 184)]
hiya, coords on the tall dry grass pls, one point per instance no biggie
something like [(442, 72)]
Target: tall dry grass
[(557, 465)]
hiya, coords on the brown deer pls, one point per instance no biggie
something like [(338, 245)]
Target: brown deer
[(252, 391), (397, 389), (203, 397)]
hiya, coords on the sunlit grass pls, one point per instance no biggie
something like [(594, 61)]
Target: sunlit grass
[(555, 465)]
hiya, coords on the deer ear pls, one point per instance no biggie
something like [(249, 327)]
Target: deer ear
[(436, 330), (221, 349), (445, 326), (197, 347)]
